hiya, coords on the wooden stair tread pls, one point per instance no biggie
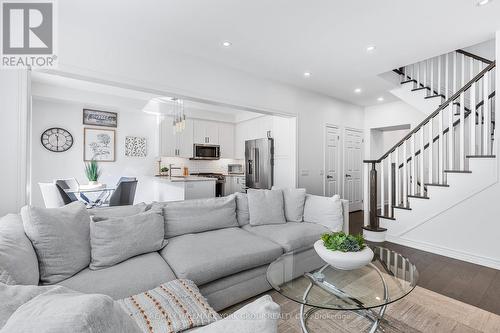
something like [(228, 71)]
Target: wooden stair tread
[(420, 88), (436, 184), (407, 81), (418, 196), (402, 207), (480, 156), (433, 96), (457, 171)]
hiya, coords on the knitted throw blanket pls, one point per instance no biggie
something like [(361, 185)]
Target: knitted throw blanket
[(172, 307)]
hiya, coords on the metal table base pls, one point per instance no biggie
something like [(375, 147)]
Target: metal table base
[(370, 314)]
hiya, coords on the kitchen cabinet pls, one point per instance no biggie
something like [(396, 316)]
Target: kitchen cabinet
[(175, 144), (256, 128), (206, 132), (226, 140)]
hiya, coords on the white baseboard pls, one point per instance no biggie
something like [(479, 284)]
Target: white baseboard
[(480, 260)]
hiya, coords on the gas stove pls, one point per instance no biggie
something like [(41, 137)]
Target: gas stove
[(219, 176), (219, 182)]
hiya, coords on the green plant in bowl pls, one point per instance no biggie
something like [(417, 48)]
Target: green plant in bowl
[(340, 241)]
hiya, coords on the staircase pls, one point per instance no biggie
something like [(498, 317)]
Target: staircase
[(447, 158)]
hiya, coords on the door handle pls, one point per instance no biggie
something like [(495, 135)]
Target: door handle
[(347, 175), (329, 177)]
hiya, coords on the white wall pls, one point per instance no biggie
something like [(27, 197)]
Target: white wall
[(13, 136), (385, 116), (49, 165)]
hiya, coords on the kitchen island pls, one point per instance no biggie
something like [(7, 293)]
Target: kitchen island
[(178, 188)]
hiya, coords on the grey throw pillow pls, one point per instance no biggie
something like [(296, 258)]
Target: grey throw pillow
[(18, 262), (242, 213), (265, 207), (117, 239), (118, 211), (61, 238), (193, 216), (294, 200), (61, 310)]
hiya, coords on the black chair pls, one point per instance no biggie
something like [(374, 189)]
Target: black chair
[(71, 183), (66, 198), (124, 193)]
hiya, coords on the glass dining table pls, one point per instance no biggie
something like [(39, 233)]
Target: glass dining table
[(92, 196)]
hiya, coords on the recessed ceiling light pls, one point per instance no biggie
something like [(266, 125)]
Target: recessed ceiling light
[(307, 74), (483, 2), (227, 43), (372, 48), (380, 99), (357, 90)]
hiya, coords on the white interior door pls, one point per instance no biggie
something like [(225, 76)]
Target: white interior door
[(353, 166), (332, 139)]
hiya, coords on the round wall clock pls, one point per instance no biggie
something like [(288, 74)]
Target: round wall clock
[(57, 139)]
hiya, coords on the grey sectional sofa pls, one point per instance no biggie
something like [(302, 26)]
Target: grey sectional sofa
[(227, 260)]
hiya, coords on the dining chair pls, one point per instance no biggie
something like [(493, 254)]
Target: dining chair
[(72, 184), (54, 196), (124, 193)]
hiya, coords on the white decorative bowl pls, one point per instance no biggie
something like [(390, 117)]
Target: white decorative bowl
[(344, 260)]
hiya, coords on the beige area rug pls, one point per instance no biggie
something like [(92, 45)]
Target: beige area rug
[(421, 311)]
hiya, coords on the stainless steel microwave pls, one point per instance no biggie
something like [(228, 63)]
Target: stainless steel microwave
[(206, 152)]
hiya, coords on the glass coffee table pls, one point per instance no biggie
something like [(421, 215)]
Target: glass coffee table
[(305, 278)]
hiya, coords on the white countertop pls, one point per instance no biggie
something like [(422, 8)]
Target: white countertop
[(176, 179)]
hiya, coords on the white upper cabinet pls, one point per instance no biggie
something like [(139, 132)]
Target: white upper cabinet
[(206, 132), (168, 141), (175, 144), (226, 140)]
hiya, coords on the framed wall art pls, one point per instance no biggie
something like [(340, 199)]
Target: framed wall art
[(99, 144), (100, 118), (135, 146)]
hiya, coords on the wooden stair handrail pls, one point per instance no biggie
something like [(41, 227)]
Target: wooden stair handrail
[(472, 55)]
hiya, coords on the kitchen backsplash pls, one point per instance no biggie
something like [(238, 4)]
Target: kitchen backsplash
[(197, 166)]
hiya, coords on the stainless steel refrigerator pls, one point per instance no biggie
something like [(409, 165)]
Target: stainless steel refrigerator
[(259, 163)]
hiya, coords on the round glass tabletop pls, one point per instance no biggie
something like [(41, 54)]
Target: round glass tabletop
[(305, 278)]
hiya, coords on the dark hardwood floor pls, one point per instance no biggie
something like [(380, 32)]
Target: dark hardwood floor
[(469, 283)]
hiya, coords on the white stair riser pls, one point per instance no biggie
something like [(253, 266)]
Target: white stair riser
[(462, 186)]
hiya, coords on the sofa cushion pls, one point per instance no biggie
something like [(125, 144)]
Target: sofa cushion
[(325, 211), (18, 261), (266, 207), (61, 238), (133, 276), (190, 216), (262, 315), (60, 310), (174, 306), (114, 240), (118, 211), (291, 235), (12, 297), (242, 213), (210, 255), (294, 199)]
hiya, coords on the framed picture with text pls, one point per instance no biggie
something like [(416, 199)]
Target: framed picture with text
[(100, 118), (99, 144)]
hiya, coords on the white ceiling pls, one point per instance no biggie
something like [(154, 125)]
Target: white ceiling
[(282, 39), (57, 87)]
